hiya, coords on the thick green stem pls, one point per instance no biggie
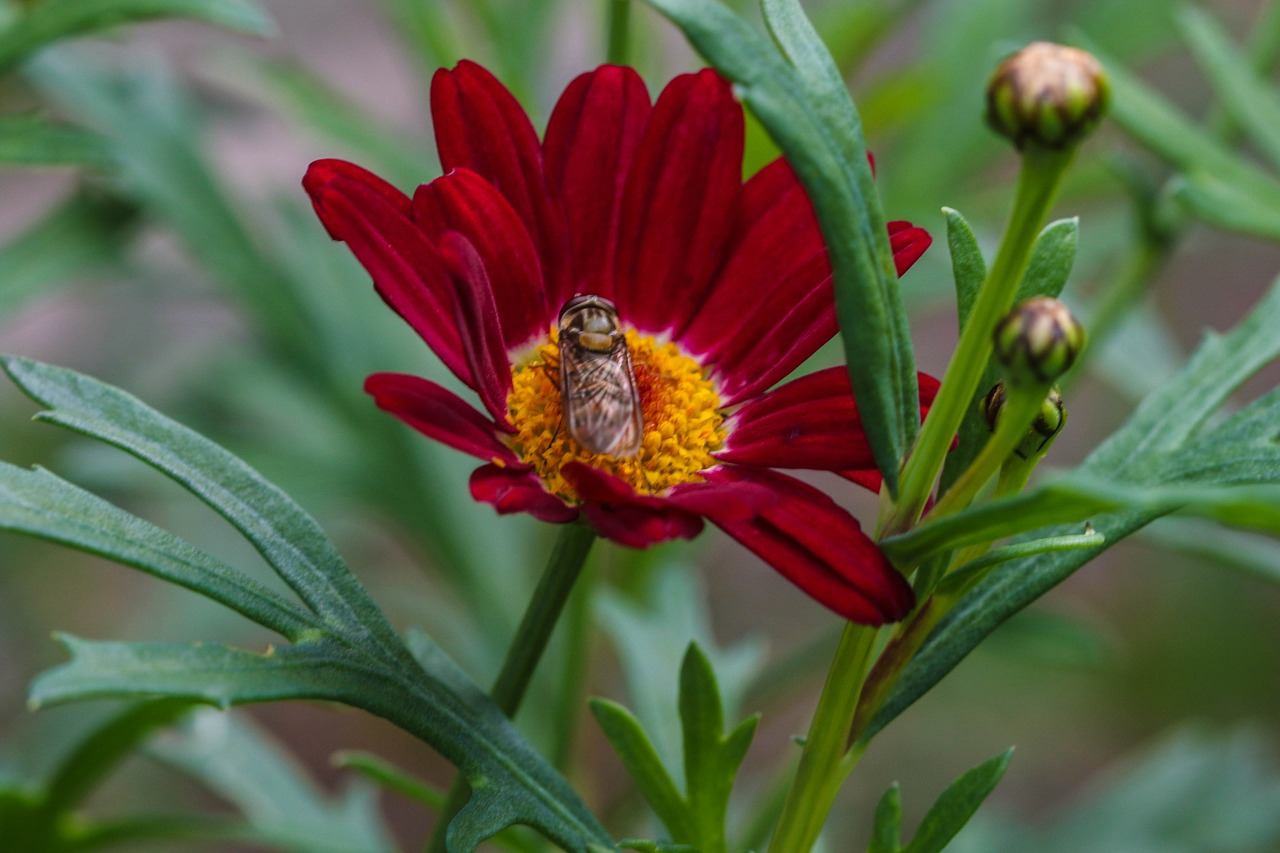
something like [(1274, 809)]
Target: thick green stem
[(530, 641), (618, 25), (826, 760), (1042, 170)]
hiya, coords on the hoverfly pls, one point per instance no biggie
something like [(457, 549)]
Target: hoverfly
[(597, 388)]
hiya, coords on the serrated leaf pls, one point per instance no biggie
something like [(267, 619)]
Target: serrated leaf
[(33, 140), (1165, 422), (803, 103), (350, 655), (886, 828), (629, 740), (511, 782), (51, 20), (957, 804)]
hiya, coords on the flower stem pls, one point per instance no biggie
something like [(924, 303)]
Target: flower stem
[(826, 760), (530, 641), (1038, 182), (619, 32), (1020, 409)]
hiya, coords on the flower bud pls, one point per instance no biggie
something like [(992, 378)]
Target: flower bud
[(1049, 94), (1048, 422), (1038, 341)]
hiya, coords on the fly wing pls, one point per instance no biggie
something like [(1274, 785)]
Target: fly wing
[(601, 403)]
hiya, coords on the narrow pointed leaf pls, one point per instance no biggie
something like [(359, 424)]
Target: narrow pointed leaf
[(283, 533), (1047, 270), (37, 503), (81, 769), (957, 804), (1246, 96), (886, 828), (33, 140), (633, 746), (818, 130), (50, 20)]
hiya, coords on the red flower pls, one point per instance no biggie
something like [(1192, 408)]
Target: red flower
[(721, 290)]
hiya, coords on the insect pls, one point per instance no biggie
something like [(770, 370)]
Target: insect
[(597, 387)]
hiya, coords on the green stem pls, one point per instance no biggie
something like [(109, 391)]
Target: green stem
[(1038, 183), (1022, 404), (531, 638), (826, 760), (619, 32)]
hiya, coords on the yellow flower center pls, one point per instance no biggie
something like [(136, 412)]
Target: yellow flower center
[(682, 421)]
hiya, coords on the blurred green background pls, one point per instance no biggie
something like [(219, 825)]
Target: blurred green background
[(153, 233)]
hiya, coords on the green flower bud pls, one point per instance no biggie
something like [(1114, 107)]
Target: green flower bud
[(1038, 341), (1049, 421), (1049, 94)]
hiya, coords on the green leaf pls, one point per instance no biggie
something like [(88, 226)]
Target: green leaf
[(711, 759), (81, 769), (628, 739), (1245, 95), (967, 264), (511, 782), (328, 112), (84, 235), (1051, 260), (1227, 205), (33, 140), (282, 807), (652, 636), (156, 142), (50, 20), (1166, 422), (886, 828), (350, 655), (37, 503), (802, 101), (282, 532), (387, 775), (1050, 264), (957, 804), (1220, 176)]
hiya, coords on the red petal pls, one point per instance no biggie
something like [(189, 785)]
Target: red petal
[(439, 414), (869, 478), (618, 513), (480, 126), (517, 489), (908, 243), (464, 202), (779, 334), (679, 203), (775, 235), (476, 315), (371, 217), (590, 142), (811, 422), (816, 545)]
